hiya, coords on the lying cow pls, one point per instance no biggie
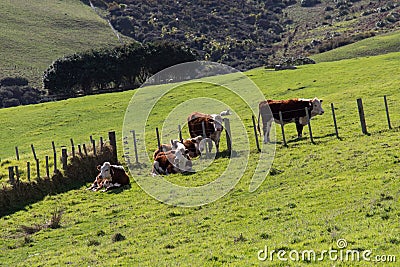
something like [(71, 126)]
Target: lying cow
[(110, 177), (212, 126), (293, 110), (172, 161), (193, 146)]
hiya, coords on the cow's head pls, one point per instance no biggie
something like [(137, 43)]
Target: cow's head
[(225, 113), (217, 123), (177, 145), (181, 155), (105, 171), (193, 144), (316, 107)]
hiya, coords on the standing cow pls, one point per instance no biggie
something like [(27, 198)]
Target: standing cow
[(212, 126), (293, 110)]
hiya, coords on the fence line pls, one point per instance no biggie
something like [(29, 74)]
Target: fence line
[(13, 171), (362, 119)]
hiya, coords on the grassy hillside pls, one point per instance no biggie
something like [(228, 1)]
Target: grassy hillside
[(315, 195), (369, 47), (244, 34), (34, 33)]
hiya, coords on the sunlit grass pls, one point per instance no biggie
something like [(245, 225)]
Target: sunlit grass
[(315, 195)]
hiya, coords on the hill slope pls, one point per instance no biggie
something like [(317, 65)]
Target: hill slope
[(316, 194), (245, 34), (35, 33), (373, 46)]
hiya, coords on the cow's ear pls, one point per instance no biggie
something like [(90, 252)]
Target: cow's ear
[(98, 167)]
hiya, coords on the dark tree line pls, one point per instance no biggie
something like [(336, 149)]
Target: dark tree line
[(111, 69), (15, 91)]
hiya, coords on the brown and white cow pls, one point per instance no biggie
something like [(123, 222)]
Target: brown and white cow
[(212, 126), (172, 161), (293, 110), (191, 144), (110, 177)]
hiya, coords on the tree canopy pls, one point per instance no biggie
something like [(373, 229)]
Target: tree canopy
[(125, 66)]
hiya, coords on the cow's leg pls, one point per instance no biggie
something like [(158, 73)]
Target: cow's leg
[(112, 186), (266, 129), (211, 146), (93, 186), (216, 137), (156, 167), (299, 128)]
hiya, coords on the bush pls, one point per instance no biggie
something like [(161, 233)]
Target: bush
[(108, 69), (15, 95), (10, 81), (11, 102)]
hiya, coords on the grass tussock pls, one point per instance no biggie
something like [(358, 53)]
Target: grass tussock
[(53, 223)]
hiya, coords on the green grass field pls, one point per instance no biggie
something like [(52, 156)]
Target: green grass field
[(316, 194), (381, 44), (35, 33)]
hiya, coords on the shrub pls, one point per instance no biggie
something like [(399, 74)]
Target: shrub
[(11, 102), (10, 81)]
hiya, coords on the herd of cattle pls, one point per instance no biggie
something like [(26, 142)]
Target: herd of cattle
[(206, 129)]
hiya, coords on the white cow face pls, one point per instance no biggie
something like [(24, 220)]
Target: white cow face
[(177, 145), (317, 107), (105, 171), (217, 122)]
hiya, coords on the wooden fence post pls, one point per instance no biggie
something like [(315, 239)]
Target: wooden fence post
[(17, 173), (334, 121), (11, 175), (80, 150), (72, 147), (309, 126), (228, 134), (283, 129), (135, 146), (255, 133), (101, 143), (28, 171), (17, 152), (33, 151), (362, 116), (37, 168), (387, 112), (54, 155), (113, 143), (85, 150), (94, 147), (180, 133), (158, 138), (47, 167), (64, 156)]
